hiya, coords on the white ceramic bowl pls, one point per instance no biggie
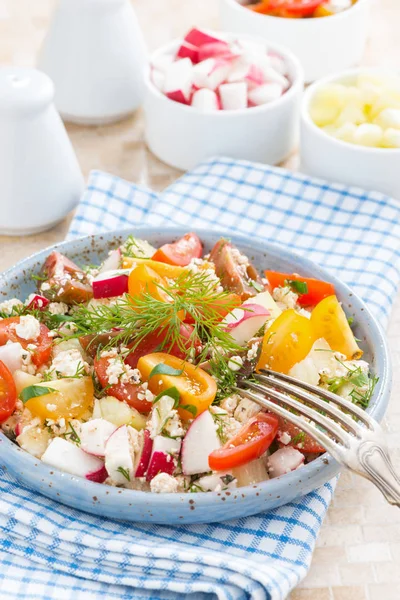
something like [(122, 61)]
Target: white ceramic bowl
[(322, 45), (183, 136), (324, 156)]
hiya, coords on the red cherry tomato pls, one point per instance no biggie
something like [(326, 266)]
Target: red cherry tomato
[(316, 290), (43, 342), (250, 443), (299, 439), (127, 392), (181, 252), (8, 393)]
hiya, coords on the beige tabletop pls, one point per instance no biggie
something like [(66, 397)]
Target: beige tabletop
[(358, 551)]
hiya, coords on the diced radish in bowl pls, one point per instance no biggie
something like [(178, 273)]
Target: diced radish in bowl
[(158, 78), (205, 100), (178, 80), (112, 262), (217, 75), (199, 37), (233, 96), (283, 461), (244, 322), (110, 284), (215, 50), (272, 76), (200, 440), (187, 50), (66, 456), (162, 62), (277, 63), (163, 455), (38, 302), (94, 435), (250, 74), (145, 454), (119, 455), (265, 93)]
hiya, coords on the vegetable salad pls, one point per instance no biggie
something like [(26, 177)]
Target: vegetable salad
[(298, 9), (124, 373)]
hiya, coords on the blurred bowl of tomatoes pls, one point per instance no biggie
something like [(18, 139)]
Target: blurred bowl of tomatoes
[(324, 41), (178, 508)]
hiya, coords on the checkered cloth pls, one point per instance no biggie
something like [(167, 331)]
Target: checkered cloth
[(50, 551)]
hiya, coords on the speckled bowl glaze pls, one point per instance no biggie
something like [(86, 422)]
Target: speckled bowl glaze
[(170, 509)]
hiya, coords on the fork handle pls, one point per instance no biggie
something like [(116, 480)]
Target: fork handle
[(379, 469)]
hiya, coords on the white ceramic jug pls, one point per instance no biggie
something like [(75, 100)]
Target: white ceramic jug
[(95, 54), (40, 179)]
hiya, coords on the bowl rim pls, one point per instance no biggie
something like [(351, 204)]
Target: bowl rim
[(340, 77), (290, 58), (268, 488), (296, 22)]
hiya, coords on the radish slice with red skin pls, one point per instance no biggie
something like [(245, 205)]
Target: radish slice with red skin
[(18, 429), (200, 440), (94, 435), (217, 75), (283, 461), (215, 50), (198, 37), (178, 96), (145, 454), (187, 50), (119, 455), (64, 455), (38, 302), (243, 323), (98, 476), (112, 262), (161, 460), (179, 79), (205, 100), (110, 284)]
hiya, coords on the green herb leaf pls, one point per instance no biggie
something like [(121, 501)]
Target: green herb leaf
[(227, 479), (34, 391), (190, 408), (350, 320), (298, 438), (124, 472), (72, 435), (163, 369), (257, 286), (300, 287), (172, 392)]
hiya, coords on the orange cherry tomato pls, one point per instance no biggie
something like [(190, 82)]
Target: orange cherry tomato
[(181, 252), (125, 392), (329, 321), (197, 389), (316, 290), (144, 280), (162, 269), (8, 393), (299, 439), (43, 342), (252, 440), (70, 398), (286, 342)]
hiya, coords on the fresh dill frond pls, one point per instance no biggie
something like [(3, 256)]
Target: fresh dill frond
[(364, 385), (72, 435)]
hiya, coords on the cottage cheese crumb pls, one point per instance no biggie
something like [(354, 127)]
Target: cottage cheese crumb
[(117, 371), (58, 308), (252, 353), (285, 297), (8, 305), (28, 328), (68, 363), (235, 363), (164, 483), (284, 438)]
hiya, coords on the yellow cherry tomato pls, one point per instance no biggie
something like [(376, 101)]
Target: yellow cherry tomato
[(71, 399), (197, 389), (162, 269), (329, 321), (286, 342), (143, 279)]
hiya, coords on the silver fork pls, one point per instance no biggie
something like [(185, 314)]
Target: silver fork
[(346, 431)]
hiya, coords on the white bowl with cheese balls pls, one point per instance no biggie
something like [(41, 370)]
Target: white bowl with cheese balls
[(350, 130)]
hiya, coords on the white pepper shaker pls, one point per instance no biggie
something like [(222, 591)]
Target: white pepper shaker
[(95, 54), (40, 178)]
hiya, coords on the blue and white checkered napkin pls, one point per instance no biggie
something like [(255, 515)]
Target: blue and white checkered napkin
[(51, 551)]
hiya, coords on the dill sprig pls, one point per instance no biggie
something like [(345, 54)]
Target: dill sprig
[(364, 385), (191, 294)]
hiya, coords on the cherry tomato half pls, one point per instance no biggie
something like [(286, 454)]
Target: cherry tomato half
[(127, 392), (316, 290), (8, 393), (250, 443), (181, 252), (299, 439), (329, 321), (43, 342)]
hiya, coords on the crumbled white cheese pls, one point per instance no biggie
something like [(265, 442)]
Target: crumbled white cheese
[(119, 372), (235, 363), (230, 403), (246, 409), (8, 305), (68, 363), (252, 353), (164, 483), (51, 407), (174, 426), (45, 286), (285, 297), (57, 308), (284, 438), (146, 394), (28, 328)]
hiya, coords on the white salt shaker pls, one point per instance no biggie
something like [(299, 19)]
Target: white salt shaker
[(95, 54), (40, 178)]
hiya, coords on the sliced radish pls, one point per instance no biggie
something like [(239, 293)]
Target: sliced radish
[(11, 356), (233, 96), (187, 50), (205, 100), (283, 461), (250, 74), (272, 76), (243, 323), (200, 440), (94, 435), (66, 456), (109, 284), (199, 37), (163, 455), (217, 75), (215, 482), (98, 476), (215, 50), (202, 71), (112, 262), (119, 455), (145, 455), (266, 300), (178, 80), (265, 93), (38, 302)]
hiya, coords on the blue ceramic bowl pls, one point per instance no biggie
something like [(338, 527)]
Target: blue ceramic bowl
[(132, 505)]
